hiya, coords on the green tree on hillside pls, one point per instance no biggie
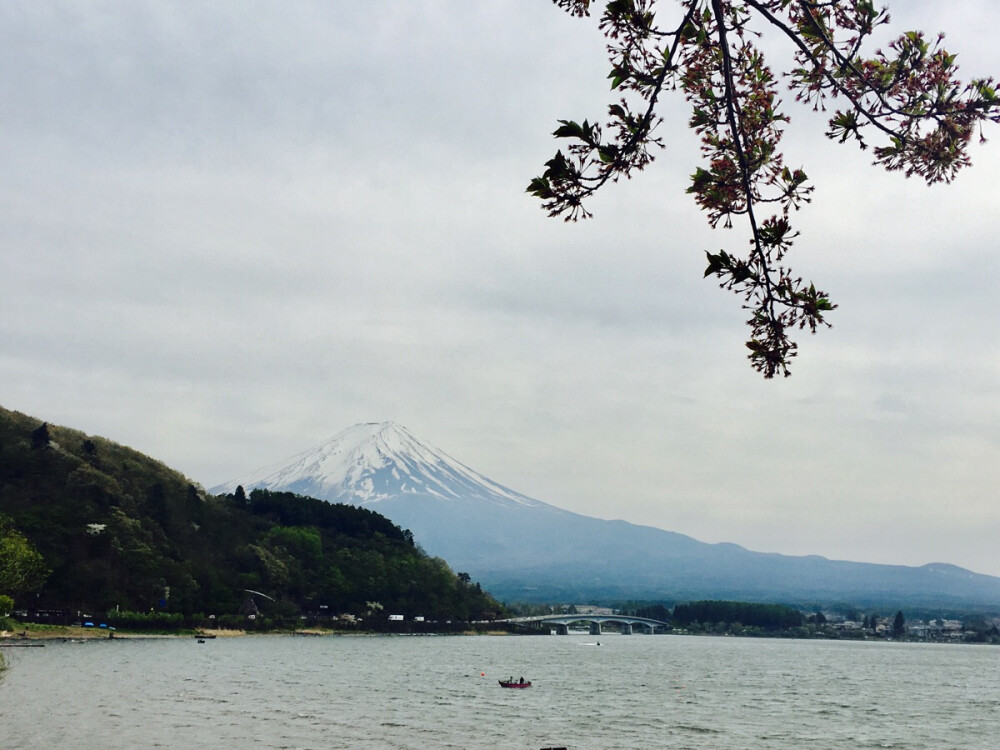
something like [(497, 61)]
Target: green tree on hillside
[(899, 625), (22, 567), (40, 437), (904, 100)]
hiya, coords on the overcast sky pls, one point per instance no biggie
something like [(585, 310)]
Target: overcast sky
[(230, 230)]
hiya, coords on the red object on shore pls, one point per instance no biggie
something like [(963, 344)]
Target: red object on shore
[(505, 684)]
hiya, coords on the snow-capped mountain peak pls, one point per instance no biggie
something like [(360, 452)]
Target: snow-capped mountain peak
[(523, 548), (370, 462)]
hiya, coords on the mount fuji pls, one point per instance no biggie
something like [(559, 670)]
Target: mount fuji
[(369, 464), (522, 548)]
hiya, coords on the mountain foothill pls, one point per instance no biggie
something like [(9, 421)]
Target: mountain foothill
[(117, 531)]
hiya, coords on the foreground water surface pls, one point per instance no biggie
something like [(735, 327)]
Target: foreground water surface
[(429, 692)]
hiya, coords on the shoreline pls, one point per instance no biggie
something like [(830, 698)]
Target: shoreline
[(70, 632), (27, 634)]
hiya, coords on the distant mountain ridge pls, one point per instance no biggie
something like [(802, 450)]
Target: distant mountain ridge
[(522, 548)]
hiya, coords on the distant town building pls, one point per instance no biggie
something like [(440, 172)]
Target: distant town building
[(588, 609)]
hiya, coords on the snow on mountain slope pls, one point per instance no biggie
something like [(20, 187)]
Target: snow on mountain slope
[(369, 463)]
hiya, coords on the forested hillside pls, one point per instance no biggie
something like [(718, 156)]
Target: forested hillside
[(117, 529)]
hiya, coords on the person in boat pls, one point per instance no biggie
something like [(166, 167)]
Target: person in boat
[(522, 681)]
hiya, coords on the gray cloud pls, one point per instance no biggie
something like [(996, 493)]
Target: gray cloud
[(229, 232)]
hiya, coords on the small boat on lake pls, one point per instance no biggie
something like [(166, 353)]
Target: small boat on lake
[(513, 684)]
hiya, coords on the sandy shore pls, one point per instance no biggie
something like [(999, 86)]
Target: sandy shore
[(58, 632)]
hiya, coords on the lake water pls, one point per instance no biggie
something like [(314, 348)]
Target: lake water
[(630, 692)]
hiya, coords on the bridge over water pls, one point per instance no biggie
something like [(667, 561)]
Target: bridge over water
[(561, 623)]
